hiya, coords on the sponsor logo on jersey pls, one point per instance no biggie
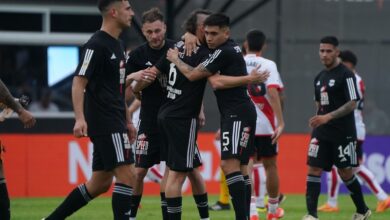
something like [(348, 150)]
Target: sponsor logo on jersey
[(313, 148), (122, 72), (142, 145), (324, 96), (245, 136)]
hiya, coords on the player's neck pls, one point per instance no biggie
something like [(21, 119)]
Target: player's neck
[(257, 53), (334, 64), (111, 28)]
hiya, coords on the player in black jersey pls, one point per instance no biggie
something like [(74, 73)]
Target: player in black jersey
[(149, 149), (7, 101), (98, 94), (225, 68), (333, 140)]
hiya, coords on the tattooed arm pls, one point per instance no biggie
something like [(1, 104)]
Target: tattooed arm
[(7, 99), (338, 113)]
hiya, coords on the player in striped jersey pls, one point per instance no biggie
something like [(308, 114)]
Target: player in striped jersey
[(349, 59), (333, 140), (270, 122)]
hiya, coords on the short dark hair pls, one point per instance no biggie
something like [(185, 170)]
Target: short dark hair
[(191, 22), (330, 40), (103, 4), (348, 56), (152, 15), (255, 39), (217, 19)]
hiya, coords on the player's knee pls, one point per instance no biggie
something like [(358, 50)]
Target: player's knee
[(230, 166), (314, 171), (140, 174)]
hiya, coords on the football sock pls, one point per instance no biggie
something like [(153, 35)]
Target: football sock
[(355, 189), (313, 188), (174, 208), (202, 204), (134, 204), (236, 184), (248, 193), (333, 187), (164, 206), (121, 201), (369, 179), (5, 212)]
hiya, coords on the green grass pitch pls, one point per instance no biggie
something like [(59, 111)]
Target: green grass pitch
[(36, 208)]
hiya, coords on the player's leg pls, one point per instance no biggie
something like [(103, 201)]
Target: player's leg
[(199, 187), (99, 183), (319, 158), (5, 212), (369, 179), (345, 157), (163, 185), (117, 156), (199, 192), (259, 185), (253, 215), (138, 188), (181, 142), (333, 192), (223, 201)]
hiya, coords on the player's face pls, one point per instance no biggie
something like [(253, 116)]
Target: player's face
[(328, 54), (215, 36), (123, 13), (154, 33)]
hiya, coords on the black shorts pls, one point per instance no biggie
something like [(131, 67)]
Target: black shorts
[(179, 137), (148, 148), (325, 154), (359, 150), (264, 147), (111, 151), (237, 139)]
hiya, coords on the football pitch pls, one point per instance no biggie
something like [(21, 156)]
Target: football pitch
[(100, 208)]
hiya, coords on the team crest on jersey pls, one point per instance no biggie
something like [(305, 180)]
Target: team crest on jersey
[(313, 148), (324, 96), (142, 145), (245, 136), (331, 82), (318, 83)]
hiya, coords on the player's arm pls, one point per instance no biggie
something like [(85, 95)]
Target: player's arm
[(78, 87), (144, 80), (191, 73), (218, 81), (7, 99), (131, 130), (274, 100), (338, 113)]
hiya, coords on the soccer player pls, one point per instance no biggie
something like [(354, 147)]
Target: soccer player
[(98, 95), (270, 122), (333, 140), (148, 144), (349, 59), (8, 101), (238, 114)]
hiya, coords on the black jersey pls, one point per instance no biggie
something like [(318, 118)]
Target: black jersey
[(227, 59), (103, 63), (334, 88), (184, 98), (154, 95)]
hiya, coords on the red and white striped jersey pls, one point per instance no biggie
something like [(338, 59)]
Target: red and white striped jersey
[(360, 127), (266, 120)]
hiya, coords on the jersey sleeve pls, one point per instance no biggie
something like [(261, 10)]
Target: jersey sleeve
[(350, 89), (316, 91), (132, 64), (216, 61), (274, 80), (91, 60), (162, 65)]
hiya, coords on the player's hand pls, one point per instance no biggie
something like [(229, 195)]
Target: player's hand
[(278, 131), (173, 55), (131, 132), (201, 119), (80, 129), (218, 135), (27, 119), (138, 95), (146, 75), (258, 76), (190, 43), (319, 120)]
